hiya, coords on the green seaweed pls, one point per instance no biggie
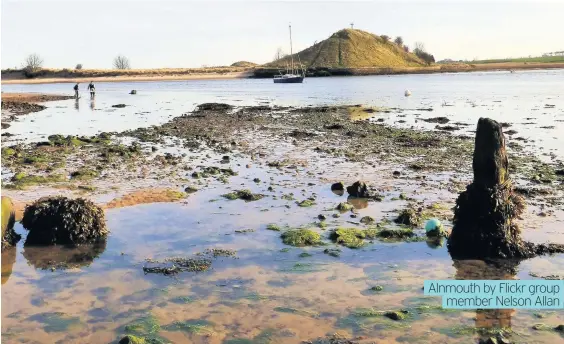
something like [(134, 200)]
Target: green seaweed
[(197, 327), (296, 311), (245, 195), (306, 203), (301, 237), (348, 237), (273, 227)]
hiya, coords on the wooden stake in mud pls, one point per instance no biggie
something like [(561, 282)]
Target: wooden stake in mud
[(484, 213)]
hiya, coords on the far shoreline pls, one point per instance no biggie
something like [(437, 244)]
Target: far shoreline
[(269, 72)]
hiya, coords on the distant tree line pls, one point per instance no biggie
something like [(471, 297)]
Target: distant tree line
[(33, 65)]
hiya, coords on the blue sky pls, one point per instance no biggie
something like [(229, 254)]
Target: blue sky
[(164, 33)]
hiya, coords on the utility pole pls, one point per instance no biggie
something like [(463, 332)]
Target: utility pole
[(352, 25)]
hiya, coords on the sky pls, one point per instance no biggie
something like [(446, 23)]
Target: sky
[(177, 34)]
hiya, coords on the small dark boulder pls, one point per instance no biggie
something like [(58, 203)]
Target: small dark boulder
[(133, 92), (64, 221), (358, 189), (119, 106), (338, 187)]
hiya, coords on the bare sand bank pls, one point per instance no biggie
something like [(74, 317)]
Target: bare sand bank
[(125, 78)]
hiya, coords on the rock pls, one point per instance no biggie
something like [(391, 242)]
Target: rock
[(154, 149), (119, 106), (9, 236), (226, 158), (367, 220), (338, 187), (358, 189), (131, 339), (409, 217), (333, 252), (396, 315), (5, 125), (397, 173), (344, 206), (559, 328), (559, 172), (190, 189), (377, 288), (64, 221), (321, 217), (133, 92), (491, 340), (440, 120)]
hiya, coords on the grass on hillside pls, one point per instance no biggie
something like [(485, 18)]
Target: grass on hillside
[(541, 59), (351, 48)]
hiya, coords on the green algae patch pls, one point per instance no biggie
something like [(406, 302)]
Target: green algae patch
[(84, 174), (304, 255), (301, 237), (348, 237), (265, 337), (393, 315), (306, 203), (8, 152), (245, 195), (302, 268), (131, 339), (459, 331), (273, 227), (21, 180), (56, 321), (182, 300), (197, 327), (144, 326), (296, 311), (400, 233)]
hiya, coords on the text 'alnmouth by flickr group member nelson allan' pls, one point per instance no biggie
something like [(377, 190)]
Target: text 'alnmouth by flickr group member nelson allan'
[(488, 294)]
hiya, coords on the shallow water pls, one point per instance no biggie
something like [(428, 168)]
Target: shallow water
[(270, 292), (267, 291), (519, 98)]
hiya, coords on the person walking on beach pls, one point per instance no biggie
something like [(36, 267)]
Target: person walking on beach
[(76, 90), (92, 89)]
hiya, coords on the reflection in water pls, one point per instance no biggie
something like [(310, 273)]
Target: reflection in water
[(435, 243), (358, 203), (491, 270), (8, 260), (61, 257), (76, 105), (92, 103), (339, 192)]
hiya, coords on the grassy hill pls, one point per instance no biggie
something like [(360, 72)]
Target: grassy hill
[(245, 64), (351, 48)]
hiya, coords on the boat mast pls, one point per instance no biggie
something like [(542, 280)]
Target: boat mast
[(291, 52)]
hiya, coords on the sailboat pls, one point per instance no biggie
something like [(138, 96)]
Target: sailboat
[(292, 75)]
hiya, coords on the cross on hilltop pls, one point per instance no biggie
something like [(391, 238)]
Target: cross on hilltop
[(352, 25)]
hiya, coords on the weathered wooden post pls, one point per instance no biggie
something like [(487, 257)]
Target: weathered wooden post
[(484, 213)]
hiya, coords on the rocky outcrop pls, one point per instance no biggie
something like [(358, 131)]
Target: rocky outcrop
[(64, 221)]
